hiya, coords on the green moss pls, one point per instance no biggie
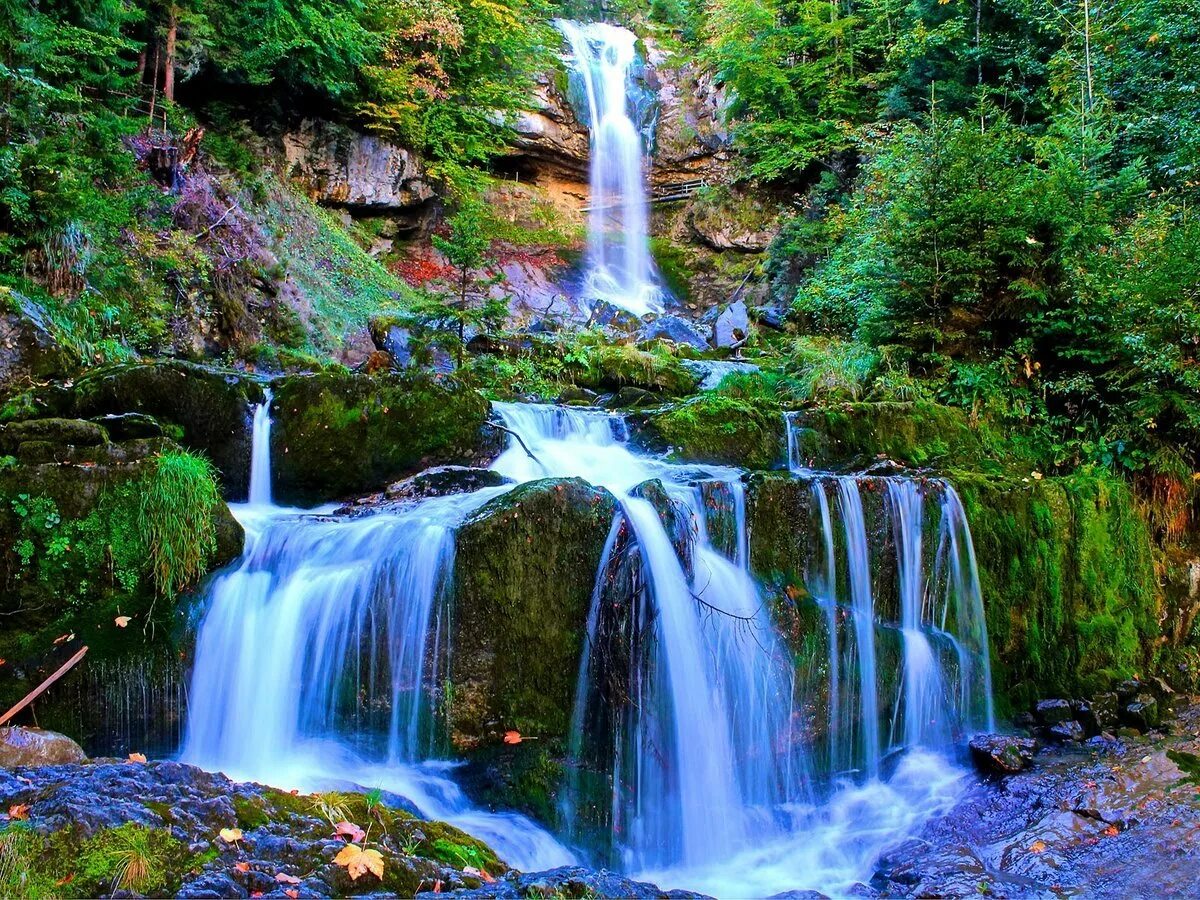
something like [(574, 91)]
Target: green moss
[(614, 366), (1067, 575), (717, 428), (525, 568), (336, 435), (251, 812)]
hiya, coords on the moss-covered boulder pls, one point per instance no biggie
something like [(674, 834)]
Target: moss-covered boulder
[(852, 436), (205, 409), (338, 434), (97, 543), (716, 428), (1067, 573), (614, 366), (523, 577)]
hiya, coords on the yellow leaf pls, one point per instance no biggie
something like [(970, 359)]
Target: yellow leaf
[(1037, 847), (230, 835), (137, 757), (358, 861)]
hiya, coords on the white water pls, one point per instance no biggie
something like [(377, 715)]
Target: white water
[(260, 453), (620, 268), (319, 609)]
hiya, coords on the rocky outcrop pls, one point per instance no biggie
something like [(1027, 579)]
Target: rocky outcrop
[(1002, 754), (714, 428), (691, 137), (339, 166), (525, 566), (20, 746), (549, 134), (337, 435), (28, 350)]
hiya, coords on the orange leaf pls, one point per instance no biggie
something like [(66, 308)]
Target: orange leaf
[(512, 737), (1111, 831), (242, 866), (291, 893), (1037, 847), (137, 757), (121, 621), (285, 878), (437, 887), (359, 862), (64, 637), (350, 831), (67, 879), (18, 811)]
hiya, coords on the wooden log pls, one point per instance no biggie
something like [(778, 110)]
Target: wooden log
[(37, 691)]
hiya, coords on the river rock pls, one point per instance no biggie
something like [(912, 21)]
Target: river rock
[(1098, 714), (1002, 754), (393, 339), (442, 480), (1051, 712), (1142, 713), (732, 326), (22, 746), (675, 329), (1070, 730), (608, 315), (567, 881)]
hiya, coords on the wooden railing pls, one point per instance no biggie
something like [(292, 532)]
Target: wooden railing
[(665, 193)]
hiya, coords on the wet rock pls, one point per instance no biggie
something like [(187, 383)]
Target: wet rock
[(20, 746), (28, 349), (130, 426), (1098, 714), (607, 315), (1142, 713), (1051, 712), (1071, 730), (567, 881), (732, 326), (674, 329), (59, 432), (769, 316), (574, 395), (1002, 754), (443, 480), (1025, 721), (1127, 690)]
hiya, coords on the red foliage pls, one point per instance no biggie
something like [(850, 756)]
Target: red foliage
[(421, 267)]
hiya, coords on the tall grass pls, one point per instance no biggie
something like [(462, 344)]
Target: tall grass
[(176, 520)]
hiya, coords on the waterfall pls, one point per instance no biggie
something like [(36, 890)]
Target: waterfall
[(703, 751), (323, 622), (260, 454), (620, 268)]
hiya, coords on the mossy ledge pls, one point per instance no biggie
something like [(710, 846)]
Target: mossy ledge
[(338, 434), (716, 428)]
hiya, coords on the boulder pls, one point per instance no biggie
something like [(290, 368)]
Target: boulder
[(337, 435), (1001, 754), (28, 349), (525, 567), (1068, 731), (732, 326), (608, 315), (674, 329), (442, 480), (1051, 712), (21, 746), (1098, 714), (393, 339), (714, 428), (62, 433), (1142, 713)]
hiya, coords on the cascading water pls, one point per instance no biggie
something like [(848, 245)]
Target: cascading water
[(260, 453), (620, 268), (325, 619)]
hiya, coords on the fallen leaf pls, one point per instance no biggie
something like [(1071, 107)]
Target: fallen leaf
[(66, 879), (291, 893), (512, 737), (137, 757), (230, 835), (285, 878), (121, 621), (242, 866), (359, 861), (18, 811), (1111, 831), (2, 660), (1037, 847), (349, 830), (256, 893), (64, 637), (483, 873), (437, 887)]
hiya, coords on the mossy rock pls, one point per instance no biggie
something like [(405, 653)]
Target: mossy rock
[(336, 435), (209, 408), (57, 431), (614, 366), (523, 577), (1067, 574), (715, 428), (851, 436)]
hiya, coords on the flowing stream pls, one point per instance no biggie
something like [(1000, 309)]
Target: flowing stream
[(621, 271)]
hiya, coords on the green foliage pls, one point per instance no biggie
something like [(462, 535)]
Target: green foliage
[(176, 519)]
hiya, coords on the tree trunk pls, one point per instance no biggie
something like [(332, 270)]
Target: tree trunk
[(169, 60)]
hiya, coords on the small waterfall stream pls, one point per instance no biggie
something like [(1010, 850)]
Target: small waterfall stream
[(621, 269)]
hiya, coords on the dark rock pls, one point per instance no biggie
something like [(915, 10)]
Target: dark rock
[(732, 326), (1002, 754), (442, 480), (769, 316), (130, 426), (1051, 712), (1071, 730), (29, 351), (575, 395), (1025, 721), (1099, 714), (1142, 713), (1127, 690), (567, 881), (675, 329), (20, 746), (607, 315)]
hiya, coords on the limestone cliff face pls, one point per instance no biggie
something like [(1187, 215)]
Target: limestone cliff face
[(339, 166), (691, 138), (549, 136)]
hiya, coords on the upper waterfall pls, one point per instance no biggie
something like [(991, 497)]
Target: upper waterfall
[(620, 268)]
